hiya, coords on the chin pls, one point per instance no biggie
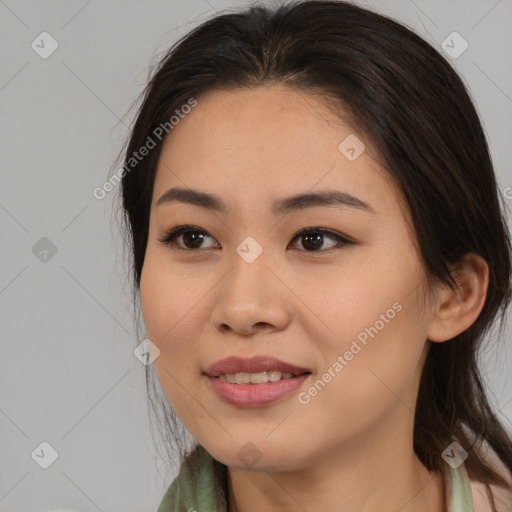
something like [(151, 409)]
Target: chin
[(256, 454)]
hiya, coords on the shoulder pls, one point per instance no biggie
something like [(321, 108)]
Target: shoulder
[(502, 497)]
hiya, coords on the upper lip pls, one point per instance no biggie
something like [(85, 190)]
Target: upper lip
[(256, 364)]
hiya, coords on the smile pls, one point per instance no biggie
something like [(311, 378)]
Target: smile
[(244, 393), (255, 378)]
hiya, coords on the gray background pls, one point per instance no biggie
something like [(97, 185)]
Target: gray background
[(68, 375)]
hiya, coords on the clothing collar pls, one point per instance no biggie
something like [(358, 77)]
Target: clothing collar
[(458, 489)]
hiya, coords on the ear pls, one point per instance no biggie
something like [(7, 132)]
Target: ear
[(456, 310)]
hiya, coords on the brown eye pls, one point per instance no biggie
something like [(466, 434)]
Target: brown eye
[(313, 238), (192, 237)]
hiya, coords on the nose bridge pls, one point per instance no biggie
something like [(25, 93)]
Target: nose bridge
[(250, 266), (258, 254)]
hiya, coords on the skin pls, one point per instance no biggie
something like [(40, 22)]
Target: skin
[(350, 447)]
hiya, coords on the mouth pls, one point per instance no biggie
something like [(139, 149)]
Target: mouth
[(255, 370), (256, 381), (259, 377), (254, 389)]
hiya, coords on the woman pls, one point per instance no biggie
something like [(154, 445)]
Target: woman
[(319, 377)]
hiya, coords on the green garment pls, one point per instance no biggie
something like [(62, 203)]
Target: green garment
[(201, 478)]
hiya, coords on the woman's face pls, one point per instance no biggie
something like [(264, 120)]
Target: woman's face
[(244, 284)]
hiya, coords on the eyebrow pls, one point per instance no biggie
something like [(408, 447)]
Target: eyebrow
[(280, 206)]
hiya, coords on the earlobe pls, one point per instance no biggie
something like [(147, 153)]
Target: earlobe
[(456, 310)]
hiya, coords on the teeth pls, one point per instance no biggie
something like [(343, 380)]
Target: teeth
[(255, 378)]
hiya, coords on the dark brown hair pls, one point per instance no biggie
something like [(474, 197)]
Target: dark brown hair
[(406, 99)]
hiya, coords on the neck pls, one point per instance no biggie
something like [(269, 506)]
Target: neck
[(365, 479)]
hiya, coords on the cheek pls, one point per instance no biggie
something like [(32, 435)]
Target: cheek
[(174, 304), (375, 326), (362, 299), (375, 361), (167, 298), (154, 296), (167, 308)]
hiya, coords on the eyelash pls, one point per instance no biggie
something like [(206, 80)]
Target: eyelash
[(170, 236)]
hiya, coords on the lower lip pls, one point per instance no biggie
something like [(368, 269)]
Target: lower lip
[(255, 395)]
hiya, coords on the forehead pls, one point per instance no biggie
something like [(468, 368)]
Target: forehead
[(268, 142), (266, 121)]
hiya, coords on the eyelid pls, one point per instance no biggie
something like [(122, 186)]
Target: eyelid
[(166, 239), (341, 239)]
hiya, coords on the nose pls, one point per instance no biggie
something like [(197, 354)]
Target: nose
[(251, 298)]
